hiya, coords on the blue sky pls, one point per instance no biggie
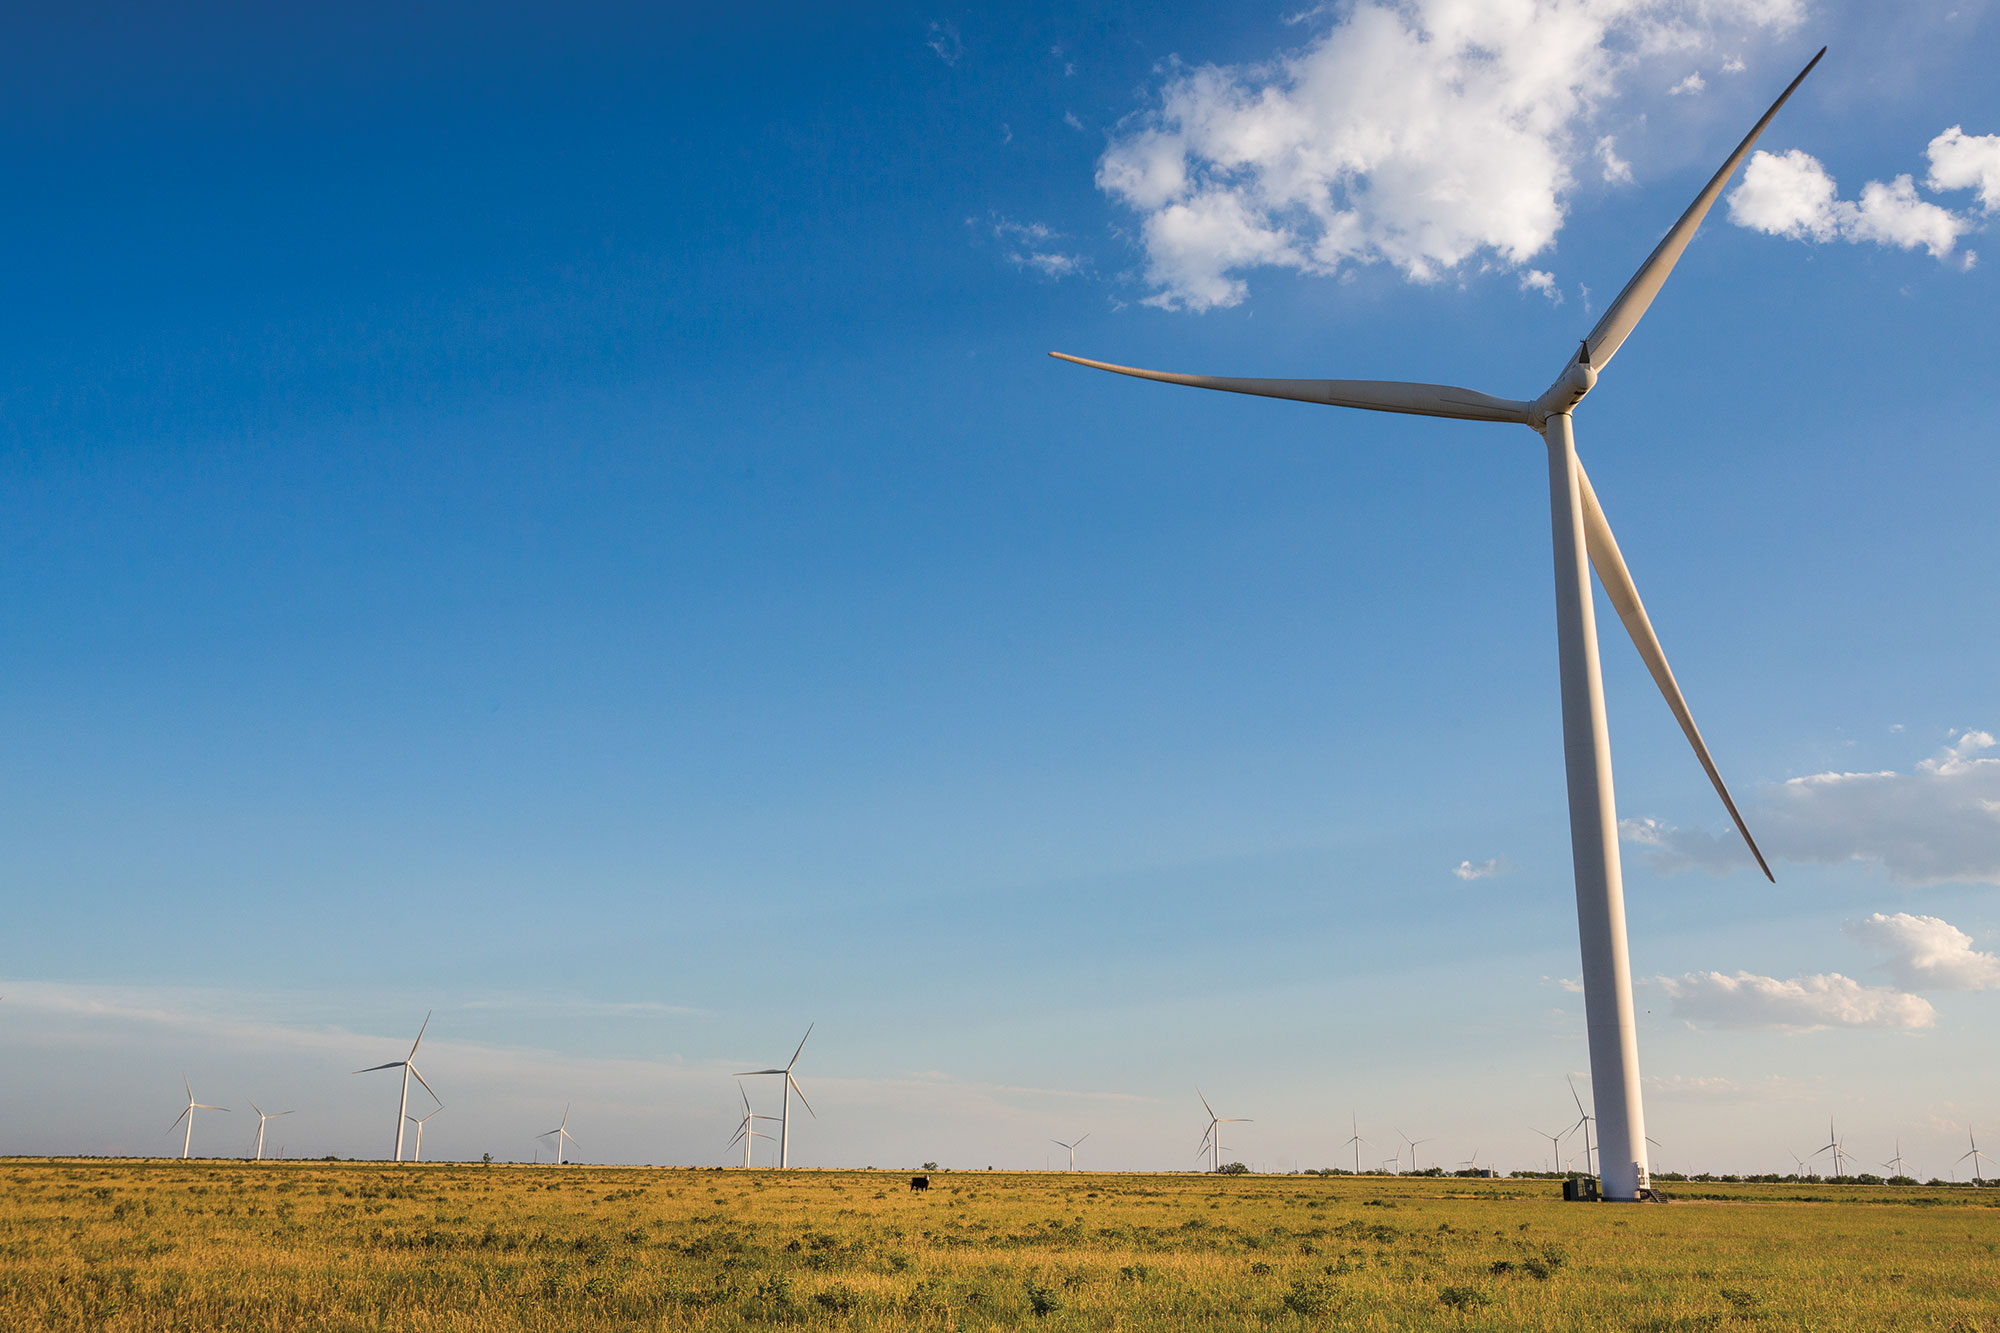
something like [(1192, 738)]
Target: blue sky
[(565, 519)]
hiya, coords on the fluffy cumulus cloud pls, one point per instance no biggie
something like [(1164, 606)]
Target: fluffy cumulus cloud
[(1802, 1004), (1926, 953), (1424, 135), (1938, 823), (1471, 870), (1791, 194)]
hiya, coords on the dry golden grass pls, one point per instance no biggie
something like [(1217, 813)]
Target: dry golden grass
[(289, 1245)]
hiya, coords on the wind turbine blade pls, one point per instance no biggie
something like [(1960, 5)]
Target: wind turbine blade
[(1623, 314), (1059, 1143), (1573, 1096), (802, 1095), (1197, 1092), (259, 1110), (749, 1073), (1609, 563), (420, 1036), (1080, 1140), (204, 1106), (189, 1110), (393, 1064), (1423, 400), (802, 1045), (189, 1086), (427, 1087), (275, 1114), (746, 1098)]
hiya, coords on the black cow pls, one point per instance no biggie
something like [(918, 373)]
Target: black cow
[(919, 1183)]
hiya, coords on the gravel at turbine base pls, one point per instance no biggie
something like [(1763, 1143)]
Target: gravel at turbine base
[(99, 1244)]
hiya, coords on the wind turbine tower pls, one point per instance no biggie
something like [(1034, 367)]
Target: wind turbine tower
[(262, 1117), (1354, 1123), (408, 1065), (785, 1108), (1072, 1149), (187, 1139), (560, 1133), (747, 1131), (1582, 540), (417, 1154)]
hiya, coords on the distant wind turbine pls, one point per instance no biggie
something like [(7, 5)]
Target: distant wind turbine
[(1832, 1145), (1354, 1123), (1582, 539), (1413, 1147), (1211, 1141), (1583, 1119), (1072, 1149), (747, 1131), (785, 1107), (418, 1121), (559, 1133), (1896, 1165), (1555, 1147), (187, 1139), (263, 1116), (1976, 1156), (408, 1065)]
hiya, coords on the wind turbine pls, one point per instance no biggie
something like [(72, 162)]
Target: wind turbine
[(785, 1108), (1354, 1123), (1582, 539), (1832, 1145), (187, 1139), (1800, 1163), (560, 1132), (1555, 1147), (1072, 1149), (748, 1131), (418, 1121), (263, 1116), (1896, 1165), (407, 1065), (1211, 1140), (1583, 1119), (1976, 1156), (1413, 1147)]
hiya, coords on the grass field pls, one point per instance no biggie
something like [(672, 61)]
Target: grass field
[(291, 1245)]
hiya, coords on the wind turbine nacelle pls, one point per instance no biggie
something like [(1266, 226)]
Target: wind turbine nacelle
[(1578, 379)]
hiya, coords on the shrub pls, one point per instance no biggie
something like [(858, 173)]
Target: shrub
[(1464, 1298)]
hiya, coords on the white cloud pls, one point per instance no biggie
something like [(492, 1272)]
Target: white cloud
[(1689, 86), (1617, 171), (1714, 1088), (944, 42), (1535, 280), (1069, 119), (1467, 870), (1803, 1004), (1421, 135), (1961, 161), (1792, 195), (1733, 65), (1032, 245), (1926, 953), (1936, 824)]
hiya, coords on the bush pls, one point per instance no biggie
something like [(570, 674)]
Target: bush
[(1464, 1298), (1043, 1300), (1311, 1298)]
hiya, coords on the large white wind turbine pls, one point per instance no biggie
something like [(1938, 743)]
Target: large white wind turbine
[(1582, 540), (417, 1152), (1354, 1123), (1976, 1156), (408, 1066), (262, 1117), (747, 1131), (187, 1139), (1211, 1141), (560, 1133), (1072, 1149), (785, 1108)]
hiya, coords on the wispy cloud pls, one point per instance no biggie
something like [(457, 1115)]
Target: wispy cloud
[(1937, 823), (1036, 246), (1468, 870), (943, 40), (1801, 1004)]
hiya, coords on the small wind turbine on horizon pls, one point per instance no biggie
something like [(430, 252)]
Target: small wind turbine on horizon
[(1354, 1123), (417, 1153), (1211, 1139), (1072, 1149), (1583, 1119), (1833, 1145), (187, 1139), (747, 1131), (262, 1117), (1976, 1156), (1413, 1147), (1896, 1165), (1555, 1147), (1582, 540), (785, 1107), (408, 1065), (560, 1133)]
